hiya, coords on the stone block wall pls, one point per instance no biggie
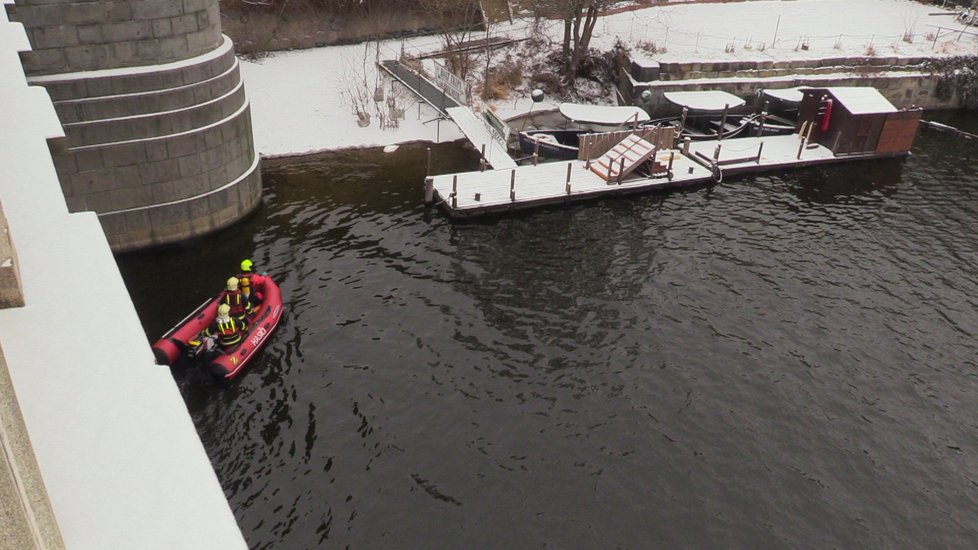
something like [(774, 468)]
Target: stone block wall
[(84, 36), (158, 143), (900, 80)]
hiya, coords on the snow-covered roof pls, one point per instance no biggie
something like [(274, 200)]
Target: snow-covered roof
[(705, 100), (862, 100), (602, 114), (787, 95)]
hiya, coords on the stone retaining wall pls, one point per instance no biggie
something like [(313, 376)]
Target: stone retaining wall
[(84, 36), (157, 123)]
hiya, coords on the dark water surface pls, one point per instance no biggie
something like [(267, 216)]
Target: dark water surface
[(786, 360)]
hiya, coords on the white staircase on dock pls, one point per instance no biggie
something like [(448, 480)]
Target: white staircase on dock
[(623, 158)]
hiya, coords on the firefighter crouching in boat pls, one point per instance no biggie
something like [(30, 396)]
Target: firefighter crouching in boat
[(226, 330), (234, 299)]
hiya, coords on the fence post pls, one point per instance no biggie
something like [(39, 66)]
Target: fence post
[(512, 186), (723, 121)]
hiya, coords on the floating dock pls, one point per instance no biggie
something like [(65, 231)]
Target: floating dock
[(470, 194), (834, 125)]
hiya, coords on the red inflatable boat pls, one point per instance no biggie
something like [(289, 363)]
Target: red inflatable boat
[(227, 363)]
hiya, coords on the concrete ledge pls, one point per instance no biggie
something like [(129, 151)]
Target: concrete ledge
[(105, 82), (111, 130), (27, 518), (11, 291), (142, 172), (154, 101)]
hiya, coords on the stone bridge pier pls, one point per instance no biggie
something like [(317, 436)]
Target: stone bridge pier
[(157, 123)]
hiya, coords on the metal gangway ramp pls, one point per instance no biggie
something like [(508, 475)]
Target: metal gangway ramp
[(478, 131), (428, 91)]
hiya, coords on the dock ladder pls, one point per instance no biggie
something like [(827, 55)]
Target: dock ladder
[(623, 158)]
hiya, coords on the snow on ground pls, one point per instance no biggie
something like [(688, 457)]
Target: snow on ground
[(300, 104)]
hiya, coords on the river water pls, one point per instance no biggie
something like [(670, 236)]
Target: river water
[(785, 360)]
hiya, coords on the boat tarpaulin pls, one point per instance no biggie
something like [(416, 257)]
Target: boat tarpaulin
[(705, 100), (787, 95), (604, 115)]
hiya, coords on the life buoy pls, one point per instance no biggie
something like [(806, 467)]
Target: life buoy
[(827, 117)]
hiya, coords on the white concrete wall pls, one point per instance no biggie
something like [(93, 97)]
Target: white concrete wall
[(121, 459)]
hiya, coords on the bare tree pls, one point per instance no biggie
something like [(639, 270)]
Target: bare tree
[(579, 17), (456, 20)]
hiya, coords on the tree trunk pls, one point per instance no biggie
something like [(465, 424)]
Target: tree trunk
[(567, 36)]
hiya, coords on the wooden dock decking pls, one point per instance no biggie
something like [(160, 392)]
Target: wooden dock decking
[(469, 194)]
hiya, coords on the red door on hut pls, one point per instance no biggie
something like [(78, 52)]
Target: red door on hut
[(856, 121)]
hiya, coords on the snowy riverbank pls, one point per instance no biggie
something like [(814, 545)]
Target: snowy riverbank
[(299, 102)]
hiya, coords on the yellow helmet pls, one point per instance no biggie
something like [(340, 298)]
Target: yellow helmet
[(223, 310), (233, 284), (246, 265)]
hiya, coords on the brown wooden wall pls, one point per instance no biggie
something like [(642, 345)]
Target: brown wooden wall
[(899, 132), (594, 145)]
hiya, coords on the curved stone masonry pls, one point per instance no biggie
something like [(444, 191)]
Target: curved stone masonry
[(157, 123), (86, 36)]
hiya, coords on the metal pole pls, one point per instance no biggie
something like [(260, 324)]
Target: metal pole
[(512, 186), (801, 145), (482, 161), (686, 141), (454, 191), (759, 149), (723, 121), (427, 166), (429, 190), (716, 153), (567, 185), (776, 27)]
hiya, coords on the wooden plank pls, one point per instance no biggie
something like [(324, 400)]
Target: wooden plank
[(480, 133)]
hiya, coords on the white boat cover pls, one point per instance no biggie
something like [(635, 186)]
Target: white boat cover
[(705, 100), (787, 95), (862, 100), (602, 115)]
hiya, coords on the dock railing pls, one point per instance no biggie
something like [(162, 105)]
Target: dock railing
[(593, 146)]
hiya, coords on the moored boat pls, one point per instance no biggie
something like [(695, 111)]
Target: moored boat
[(225, 363), (562, 141)]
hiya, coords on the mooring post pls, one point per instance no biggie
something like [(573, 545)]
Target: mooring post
[(587, 153), (536, 149), (567, 185), (723, 121), (454, 191), (760, 148), (512, 186), (621, 168), (686, 142), (716, 153), (672, 155), (427, 166), (482, 159), (429, 190), (536, 159)]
